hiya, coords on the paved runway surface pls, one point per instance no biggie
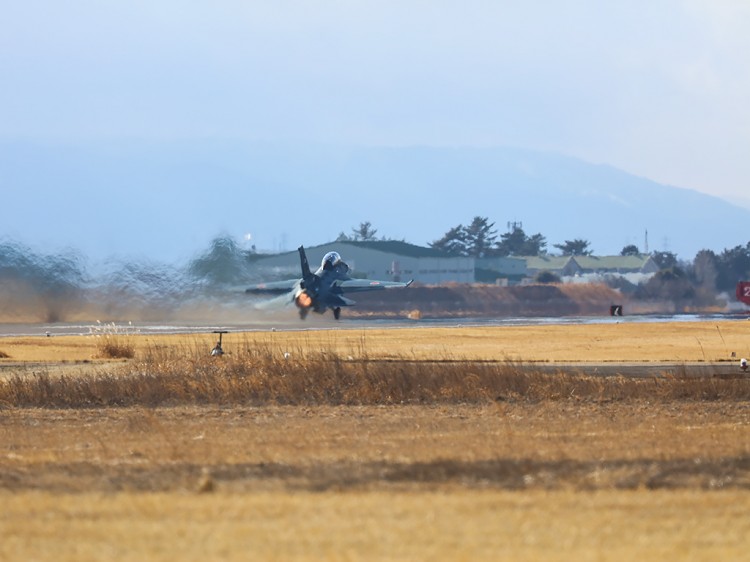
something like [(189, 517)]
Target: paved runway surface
[(292, 322)]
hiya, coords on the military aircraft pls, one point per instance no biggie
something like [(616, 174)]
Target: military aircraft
[(324, 288)]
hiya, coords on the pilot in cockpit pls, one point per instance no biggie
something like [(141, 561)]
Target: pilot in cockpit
[(330, 260)]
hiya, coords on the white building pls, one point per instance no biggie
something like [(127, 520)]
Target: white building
[(526, 268)]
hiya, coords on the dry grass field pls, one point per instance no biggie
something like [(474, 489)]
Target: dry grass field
[(607, 342), (376, 444)]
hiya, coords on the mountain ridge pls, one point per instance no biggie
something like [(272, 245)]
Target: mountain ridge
[(166, 200)]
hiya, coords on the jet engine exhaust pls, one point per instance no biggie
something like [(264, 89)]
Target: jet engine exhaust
[(303, 300)]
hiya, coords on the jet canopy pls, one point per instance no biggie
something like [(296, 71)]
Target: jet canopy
[(330, 260)]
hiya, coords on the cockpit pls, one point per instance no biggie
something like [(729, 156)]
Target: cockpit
[(330, 260)]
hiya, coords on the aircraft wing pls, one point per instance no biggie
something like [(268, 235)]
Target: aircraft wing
[(361, 285), (273, 288)]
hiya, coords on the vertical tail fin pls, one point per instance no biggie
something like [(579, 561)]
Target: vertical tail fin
[(306, 273)]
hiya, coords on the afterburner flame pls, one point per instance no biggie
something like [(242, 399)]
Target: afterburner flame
[(303, 300)]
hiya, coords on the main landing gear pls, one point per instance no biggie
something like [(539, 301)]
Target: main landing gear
[(337, 312)]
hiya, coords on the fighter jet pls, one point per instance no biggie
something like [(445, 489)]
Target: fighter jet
[(324, 288)]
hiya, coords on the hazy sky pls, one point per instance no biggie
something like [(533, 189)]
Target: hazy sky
[(659, 88)]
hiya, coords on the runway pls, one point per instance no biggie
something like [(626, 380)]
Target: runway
[(292, 323), (724, 370)]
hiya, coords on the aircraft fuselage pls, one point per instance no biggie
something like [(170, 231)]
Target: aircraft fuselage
[(324, 288)]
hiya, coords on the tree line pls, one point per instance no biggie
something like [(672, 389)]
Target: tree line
[(479, 239), (706, 274), (697, 280)]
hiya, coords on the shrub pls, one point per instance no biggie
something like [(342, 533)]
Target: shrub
[(113, 341), (547, 277)]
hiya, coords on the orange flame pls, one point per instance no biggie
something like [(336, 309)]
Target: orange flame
[(303, 300)]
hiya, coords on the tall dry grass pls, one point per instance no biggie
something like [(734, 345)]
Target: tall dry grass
[(114, 341), (256, 375)]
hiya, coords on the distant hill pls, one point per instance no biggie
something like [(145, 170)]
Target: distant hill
[(167, 200)]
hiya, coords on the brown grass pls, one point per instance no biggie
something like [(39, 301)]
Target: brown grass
[(609, 342), (113, 347), (555, 480), (114, 341), (261, 375), (473, 525), (549, 445), (445, 444)]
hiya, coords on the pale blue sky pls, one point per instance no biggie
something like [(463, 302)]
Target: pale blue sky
[(658, 88)]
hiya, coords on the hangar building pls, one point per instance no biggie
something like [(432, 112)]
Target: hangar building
[(387, 260)]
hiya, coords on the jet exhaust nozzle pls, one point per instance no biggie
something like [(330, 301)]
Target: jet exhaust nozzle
[(303, 300)]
